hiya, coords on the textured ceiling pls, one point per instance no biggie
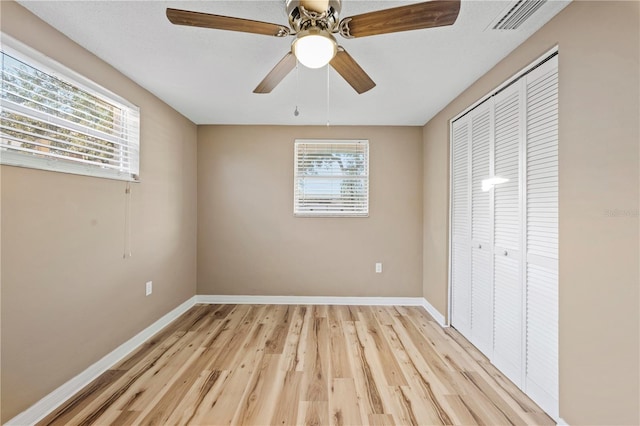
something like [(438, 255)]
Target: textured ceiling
[(209, 75)]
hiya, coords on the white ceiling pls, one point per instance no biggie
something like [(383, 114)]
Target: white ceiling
[(209, 75)]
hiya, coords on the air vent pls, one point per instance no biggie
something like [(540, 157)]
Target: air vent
[(517, 14)]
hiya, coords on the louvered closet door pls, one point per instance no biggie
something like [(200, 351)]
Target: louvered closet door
[(460, 229), (542, 236), (508, 288), (481, 274)]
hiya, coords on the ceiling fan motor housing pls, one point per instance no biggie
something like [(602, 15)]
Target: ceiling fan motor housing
[(304, 15)]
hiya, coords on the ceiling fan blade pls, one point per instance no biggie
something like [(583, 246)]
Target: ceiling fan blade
[(275, 76), (207, 20), (436, 13), (349, 69), (317, 6)]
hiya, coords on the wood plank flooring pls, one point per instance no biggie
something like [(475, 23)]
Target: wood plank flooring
[(306, 365)]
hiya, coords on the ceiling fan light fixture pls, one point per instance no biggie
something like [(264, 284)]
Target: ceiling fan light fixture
[(314, 48)]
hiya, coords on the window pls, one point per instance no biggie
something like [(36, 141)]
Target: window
[(331, 178), (54, 119)]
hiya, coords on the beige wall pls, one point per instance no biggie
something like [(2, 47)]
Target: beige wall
[(68, 296), (435, 249), (599, 167), (249, 242)]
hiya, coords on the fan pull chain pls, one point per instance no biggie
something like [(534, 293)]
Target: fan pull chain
[(127, 222), (296, 112), (327, 95)]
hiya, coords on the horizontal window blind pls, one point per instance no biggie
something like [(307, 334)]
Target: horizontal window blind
[(50, 121), (331, 178)]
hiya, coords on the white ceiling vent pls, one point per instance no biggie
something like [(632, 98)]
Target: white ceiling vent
[(516, 14)]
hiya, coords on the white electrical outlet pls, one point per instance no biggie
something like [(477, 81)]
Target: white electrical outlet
[(378, 267), (149, 287)]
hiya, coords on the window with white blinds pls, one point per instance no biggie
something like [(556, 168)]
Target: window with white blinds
[(53, 119), (331, 178)]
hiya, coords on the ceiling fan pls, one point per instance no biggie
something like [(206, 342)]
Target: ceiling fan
[(313, 23)]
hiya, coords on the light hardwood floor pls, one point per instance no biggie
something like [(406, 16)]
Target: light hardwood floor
[(313, 365)]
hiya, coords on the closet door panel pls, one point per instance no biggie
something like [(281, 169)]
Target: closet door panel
[(508, 219), (481, 273), (542, 236), (461, 228), (542, 347), (507, 351), (508, 289)]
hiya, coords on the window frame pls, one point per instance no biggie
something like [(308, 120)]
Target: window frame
[(297, 212), (129, 111)]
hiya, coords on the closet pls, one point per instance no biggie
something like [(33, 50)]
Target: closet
[(504, 229)]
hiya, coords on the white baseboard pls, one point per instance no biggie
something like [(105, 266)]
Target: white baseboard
[(53, 400), (561, 422), (310, 300), (434, 313)]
